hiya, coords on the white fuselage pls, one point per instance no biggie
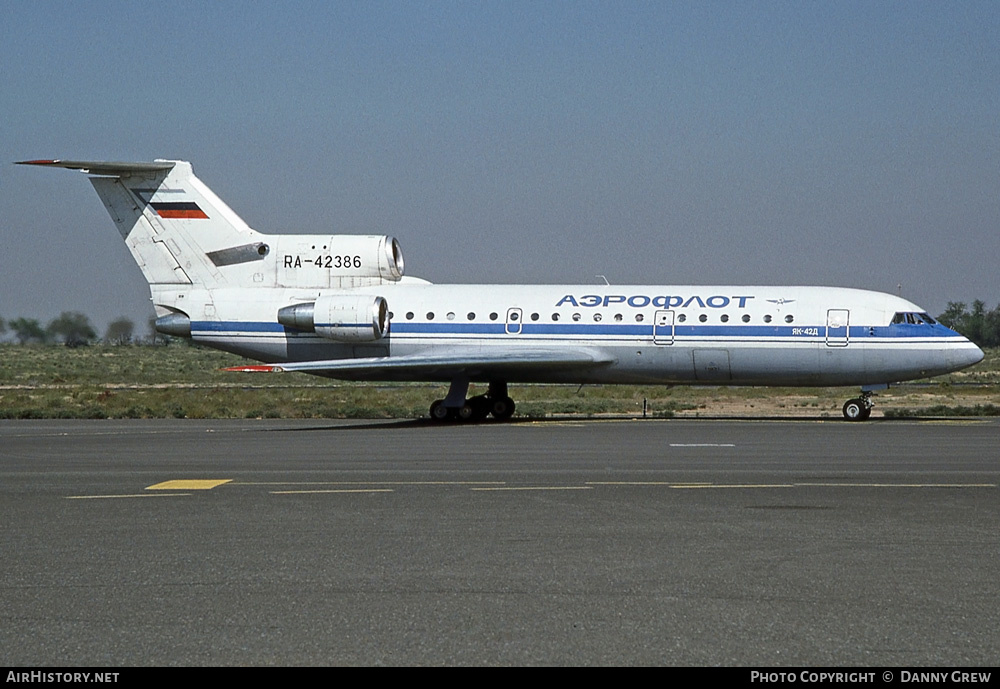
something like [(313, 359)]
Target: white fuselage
[(693, 334), (341, 306)]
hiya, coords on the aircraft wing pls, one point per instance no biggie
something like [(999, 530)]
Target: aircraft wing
[(471, 362)]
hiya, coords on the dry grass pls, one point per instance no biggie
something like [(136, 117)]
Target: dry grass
[(180, 381)]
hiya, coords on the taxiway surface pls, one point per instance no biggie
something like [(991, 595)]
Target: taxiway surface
[(566, 542)]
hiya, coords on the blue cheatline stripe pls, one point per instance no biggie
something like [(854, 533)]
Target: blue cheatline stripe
[(742, 332), (239, 326)]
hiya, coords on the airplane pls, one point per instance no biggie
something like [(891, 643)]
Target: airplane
[(340, 306)]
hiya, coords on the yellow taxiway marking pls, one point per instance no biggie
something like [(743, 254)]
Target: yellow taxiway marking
[(189, 484), (370, 483), (333, 490), (648, 483), (536, 488), (902, 485), (136, 495), (733, 485), (674, 484)]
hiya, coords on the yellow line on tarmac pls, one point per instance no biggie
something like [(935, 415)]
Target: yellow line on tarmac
[(189, 484), (369, 483), (333, 490), (674, 484), (136, 495), (733, 485), (537, 488), (647, 483), (901, 485)]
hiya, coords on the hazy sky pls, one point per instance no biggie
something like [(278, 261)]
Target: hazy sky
[(841, 143)]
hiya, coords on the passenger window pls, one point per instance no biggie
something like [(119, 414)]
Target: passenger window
[(555, 317), (534, 316), (639, 318), (724, 318), (703, 317), (746, 318), (471, 316), (618, 317), (451, 316), (409, 315), (430, 315), (767, 318), (493, 316), (682, 317), (576, 316), (789, 318), (597, 318)]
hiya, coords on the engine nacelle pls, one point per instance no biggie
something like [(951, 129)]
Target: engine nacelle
[(344, 318), (340, 260)]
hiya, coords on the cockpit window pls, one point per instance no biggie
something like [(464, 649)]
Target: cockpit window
[(912, 318)]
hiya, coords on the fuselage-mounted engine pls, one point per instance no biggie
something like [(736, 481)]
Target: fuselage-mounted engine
[(336, 261), (340, 317)]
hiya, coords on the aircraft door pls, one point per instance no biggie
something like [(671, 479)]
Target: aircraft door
[(837, 327), (663, 327), (513, 324)]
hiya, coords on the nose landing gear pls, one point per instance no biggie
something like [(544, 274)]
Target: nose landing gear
[(861, 408)]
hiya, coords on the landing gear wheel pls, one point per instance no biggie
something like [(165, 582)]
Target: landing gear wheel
[(480, 407), (502, 408), (465, 413), (856, 410), (439, 412)]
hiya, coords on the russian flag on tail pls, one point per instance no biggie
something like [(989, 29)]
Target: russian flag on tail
[(178, 209)]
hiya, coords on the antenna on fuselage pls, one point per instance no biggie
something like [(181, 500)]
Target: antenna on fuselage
[(605, 280)]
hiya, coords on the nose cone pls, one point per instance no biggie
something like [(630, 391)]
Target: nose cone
[(964, 354), (975, 355)]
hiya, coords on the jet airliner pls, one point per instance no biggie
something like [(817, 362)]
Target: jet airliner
[(340, 306)]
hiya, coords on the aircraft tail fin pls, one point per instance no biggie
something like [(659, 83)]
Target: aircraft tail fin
[(177, 229)]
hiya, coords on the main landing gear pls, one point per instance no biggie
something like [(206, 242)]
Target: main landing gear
[(455, 407), (861, 408)]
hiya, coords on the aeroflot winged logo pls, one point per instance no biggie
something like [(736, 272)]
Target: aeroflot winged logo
[(716, 301)]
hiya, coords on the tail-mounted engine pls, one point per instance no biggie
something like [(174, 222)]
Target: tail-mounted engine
[(344, 318), (339, 261)]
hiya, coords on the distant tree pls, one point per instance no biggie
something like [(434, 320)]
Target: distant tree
[(992, 328), (953, 315), (28, 330), (978, 324), (72, 328), (156, 337), (119, 332), (3, 327)]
